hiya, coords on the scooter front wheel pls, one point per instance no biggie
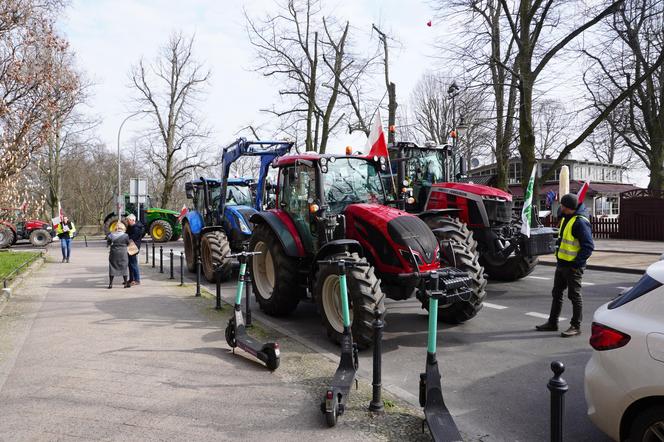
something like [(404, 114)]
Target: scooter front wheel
[(272, 359), (331, 416), (230, 333)]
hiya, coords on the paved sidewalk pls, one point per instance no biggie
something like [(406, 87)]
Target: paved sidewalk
[(81, 362)]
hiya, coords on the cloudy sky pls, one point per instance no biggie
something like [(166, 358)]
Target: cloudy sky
[(109, 36)]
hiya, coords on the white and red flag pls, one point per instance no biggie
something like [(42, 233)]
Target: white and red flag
[(376, 143), (581, 195), (183, 212)]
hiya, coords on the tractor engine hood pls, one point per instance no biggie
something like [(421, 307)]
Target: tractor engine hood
[(390, 235)]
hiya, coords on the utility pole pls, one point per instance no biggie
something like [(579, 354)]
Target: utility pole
[(391, 90)]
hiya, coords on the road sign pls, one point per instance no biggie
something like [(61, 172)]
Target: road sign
[(138, 191)]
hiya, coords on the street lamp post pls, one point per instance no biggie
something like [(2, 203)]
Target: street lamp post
[(119, 202)]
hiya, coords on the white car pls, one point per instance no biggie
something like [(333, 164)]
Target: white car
[(624, 382)]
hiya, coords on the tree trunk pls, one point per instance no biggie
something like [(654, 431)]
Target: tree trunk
[(391, 111), (657, 167)]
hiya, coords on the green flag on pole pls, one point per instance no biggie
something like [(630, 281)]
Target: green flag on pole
[(527, 212)]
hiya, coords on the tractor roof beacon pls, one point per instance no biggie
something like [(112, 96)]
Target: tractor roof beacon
[(216, 226), (483, 215), (332, 207)]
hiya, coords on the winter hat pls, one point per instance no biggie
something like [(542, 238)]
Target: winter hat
[(570, 201)]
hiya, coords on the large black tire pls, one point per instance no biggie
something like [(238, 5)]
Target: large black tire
[(175, 236), (647, 425), (516, 267), (40, 238), (364, 296), (275, 276), (160, 231), (109, 225), (466, 258), (214, 251), (190, 248), (6, 237), (460, 231)]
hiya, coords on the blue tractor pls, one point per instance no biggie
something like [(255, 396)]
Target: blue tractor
[(214, 227)]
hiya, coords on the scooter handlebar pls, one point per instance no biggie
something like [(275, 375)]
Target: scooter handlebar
[(343, 262), (242, 254)]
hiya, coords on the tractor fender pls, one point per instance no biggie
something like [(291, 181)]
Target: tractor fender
[(438, 212), (287, 234), (195, 221), (330, 248)]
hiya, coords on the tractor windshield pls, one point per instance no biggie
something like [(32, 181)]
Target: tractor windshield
[(426, 166), (238, 196), (351, 180)]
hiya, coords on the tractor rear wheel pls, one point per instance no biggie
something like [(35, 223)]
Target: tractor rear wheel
[(189, 248), (40, 238), (161, 231), (364, 296), (274, 274), (465, 258), (176, 236), (516, 267), (214, 251), (6, 237)]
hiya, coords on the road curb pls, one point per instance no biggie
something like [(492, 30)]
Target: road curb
[(603, 268), (629, 252)]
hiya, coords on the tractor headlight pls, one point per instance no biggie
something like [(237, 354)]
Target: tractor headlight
[(323, 169), (382, 160), (323, 162), (375, 158), (49, 228), (383, 167), (243, 225)]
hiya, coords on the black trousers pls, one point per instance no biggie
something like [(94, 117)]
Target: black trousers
[(567, 278)]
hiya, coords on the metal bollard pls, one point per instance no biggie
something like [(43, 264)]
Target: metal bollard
[(153, 255), (85, 237), (217, 279), (171, 256), (181, 268), (161, 259), (248, 288), (558, 387), (376, 404), (147, 255), (198, 275)]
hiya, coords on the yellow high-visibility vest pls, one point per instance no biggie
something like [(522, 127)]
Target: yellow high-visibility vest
[(59, 229), (568, 246)]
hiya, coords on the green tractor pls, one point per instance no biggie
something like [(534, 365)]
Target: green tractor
[(162, 225)]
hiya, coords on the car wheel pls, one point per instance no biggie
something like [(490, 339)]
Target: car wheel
[(648, 425)]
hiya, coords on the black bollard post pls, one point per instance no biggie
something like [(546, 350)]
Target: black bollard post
[(376, 404), (171, 256), (161, 259), (86, 240), (558, 387), (217, 280), (153, 255), (181, 268), (198, 275), (247, 290), (147, 255)]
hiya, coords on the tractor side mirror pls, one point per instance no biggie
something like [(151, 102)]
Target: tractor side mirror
[(189, 190)]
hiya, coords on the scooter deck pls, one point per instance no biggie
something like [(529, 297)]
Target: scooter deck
[(247, 343), (437, 416)]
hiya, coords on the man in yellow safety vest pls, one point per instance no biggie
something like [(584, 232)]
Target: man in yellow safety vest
[(574, 247)]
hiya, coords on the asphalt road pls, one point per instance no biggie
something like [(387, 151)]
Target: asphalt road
[(495, 367)]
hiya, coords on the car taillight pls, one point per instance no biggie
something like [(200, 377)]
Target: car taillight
[(607, 338)]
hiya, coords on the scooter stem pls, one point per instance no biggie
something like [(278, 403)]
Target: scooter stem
[(433, 326), (240, 284), (344, 300)]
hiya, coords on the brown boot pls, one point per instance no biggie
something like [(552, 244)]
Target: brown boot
[(571, 331)]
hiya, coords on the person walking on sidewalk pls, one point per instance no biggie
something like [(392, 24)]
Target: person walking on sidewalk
[(118, 259), (65, 231), (135, 231), (573, 248)]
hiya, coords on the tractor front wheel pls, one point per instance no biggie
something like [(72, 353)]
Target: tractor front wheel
[(364, 296), (161, 231), (110, 225), (274, 274), (515, 268), (459, 249), (40, 238), (214, 251)]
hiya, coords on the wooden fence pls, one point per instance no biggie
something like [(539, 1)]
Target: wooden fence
[(603, 228)]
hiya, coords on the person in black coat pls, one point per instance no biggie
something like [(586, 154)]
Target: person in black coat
[(135, 230), (118, 257)]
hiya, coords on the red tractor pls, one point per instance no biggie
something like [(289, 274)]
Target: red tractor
[(14, 226), (334, 206), (483, 216)]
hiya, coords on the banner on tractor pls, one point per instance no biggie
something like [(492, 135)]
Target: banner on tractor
[(527, 212)]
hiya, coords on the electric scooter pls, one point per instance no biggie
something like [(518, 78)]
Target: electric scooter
[(446, 285), (236, 333), (336, 396)]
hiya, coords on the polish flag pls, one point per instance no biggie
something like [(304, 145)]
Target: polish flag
[(183, 212), (376, 143), (581, 195)]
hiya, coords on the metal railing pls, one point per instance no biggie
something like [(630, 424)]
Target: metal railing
[(11, 275)]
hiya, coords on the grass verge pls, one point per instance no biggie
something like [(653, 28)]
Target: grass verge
[(10, 261)]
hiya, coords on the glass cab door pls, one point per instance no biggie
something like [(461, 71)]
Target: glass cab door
[(297, 190)]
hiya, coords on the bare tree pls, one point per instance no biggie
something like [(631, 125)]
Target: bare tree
[(552, 125), (168, 90), (634, 49)]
